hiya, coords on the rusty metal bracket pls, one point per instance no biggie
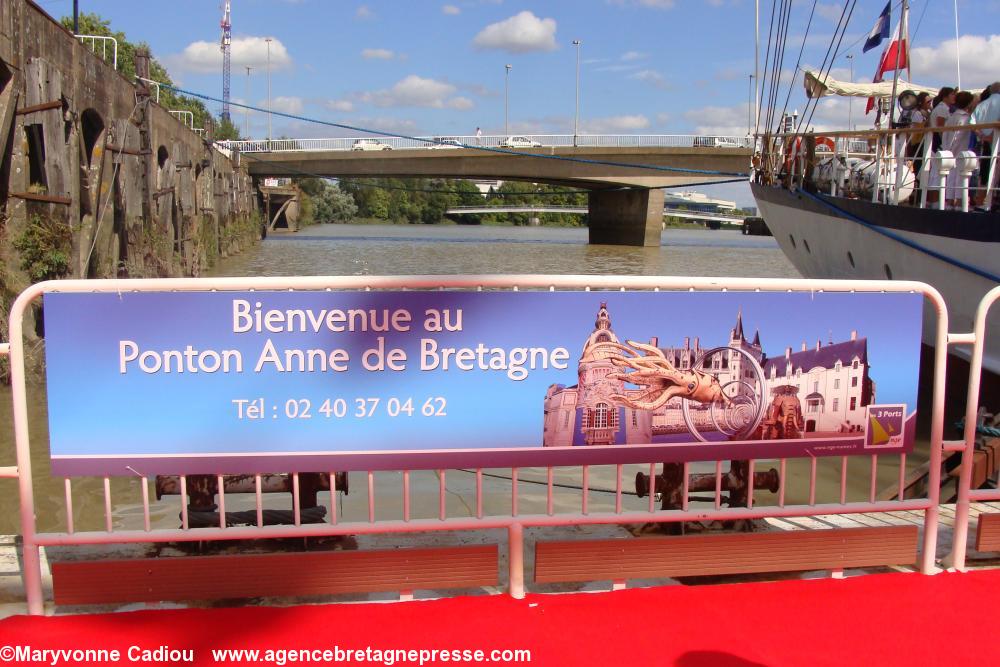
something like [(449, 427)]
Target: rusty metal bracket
[(44, 106), (49, 199)]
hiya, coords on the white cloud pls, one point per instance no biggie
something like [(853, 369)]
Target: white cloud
[(831, 13), (460, 103), (521, 33), (617, 68), (724, 121), (655, 4), (377, 54), (284, 104), (451, 10), (663, 118), (205, 57), (363, 13), (633, 55), (416, 91), (652, 77), (339, 105), (979, 58), (613, 124)]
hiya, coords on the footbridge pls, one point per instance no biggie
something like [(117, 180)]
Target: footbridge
[(621, 172), (580, 210)]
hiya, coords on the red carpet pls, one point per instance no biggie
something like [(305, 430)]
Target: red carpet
[(888, 619)]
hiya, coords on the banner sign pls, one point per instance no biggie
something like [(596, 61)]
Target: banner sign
[(283, 381)]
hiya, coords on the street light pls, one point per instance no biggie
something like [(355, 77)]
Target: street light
[(268, 40), (246, 111), (506, 91), (850, 100), (576, 123), (750, 108)]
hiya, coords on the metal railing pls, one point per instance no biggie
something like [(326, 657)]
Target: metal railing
[(94, 40), (102, 523), (966, 494), (182, 114), (493, 141), (887, 166), (157, 84)]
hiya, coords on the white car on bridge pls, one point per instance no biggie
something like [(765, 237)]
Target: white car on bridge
[(370, 145), (445, 142), (519, 142)]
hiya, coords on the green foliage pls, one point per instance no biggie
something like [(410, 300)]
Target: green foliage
[(93, 24), (226, 130), (44, 247)]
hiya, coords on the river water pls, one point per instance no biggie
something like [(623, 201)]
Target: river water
[(416, 250)]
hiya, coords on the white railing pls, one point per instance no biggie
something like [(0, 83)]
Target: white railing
[(496, 141), (157, 84), (182, 115), (884, 166), (94, 40), (95, 522)]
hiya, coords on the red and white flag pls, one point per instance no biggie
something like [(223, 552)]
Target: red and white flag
[(895, 56)]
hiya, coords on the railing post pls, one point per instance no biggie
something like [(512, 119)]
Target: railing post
[(515, 560)]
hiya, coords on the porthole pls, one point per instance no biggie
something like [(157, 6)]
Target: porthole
[(792, 239), (888, 271), (805, 244), (850, 258)]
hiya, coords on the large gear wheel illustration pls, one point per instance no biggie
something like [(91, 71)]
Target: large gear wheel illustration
[(739, 419)]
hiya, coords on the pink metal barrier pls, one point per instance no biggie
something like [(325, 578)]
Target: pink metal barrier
[(966, 494), (626, 510)]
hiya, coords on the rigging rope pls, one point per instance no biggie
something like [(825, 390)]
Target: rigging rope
[(902, 239)]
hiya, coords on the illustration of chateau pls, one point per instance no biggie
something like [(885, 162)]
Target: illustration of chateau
[(831, 382)]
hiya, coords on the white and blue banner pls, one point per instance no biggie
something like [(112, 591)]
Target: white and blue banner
[(280, 381)]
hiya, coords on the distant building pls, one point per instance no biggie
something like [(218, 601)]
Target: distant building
[(696, 201), (487, 187), (832, 382)]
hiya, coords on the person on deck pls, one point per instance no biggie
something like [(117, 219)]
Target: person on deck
[(987, 111), (957, 141)]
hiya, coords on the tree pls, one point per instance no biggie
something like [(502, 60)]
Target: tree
[(226, 130), (93, 24)]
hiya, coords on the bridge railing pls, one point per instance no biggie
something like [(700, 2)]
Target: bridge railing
[(492, 141)]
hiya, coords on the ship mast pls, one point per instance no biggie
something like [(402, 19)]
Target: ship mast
[(225, 45)]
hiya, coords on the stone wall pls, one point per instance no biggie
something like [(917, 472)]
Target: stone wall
[(96, 165)]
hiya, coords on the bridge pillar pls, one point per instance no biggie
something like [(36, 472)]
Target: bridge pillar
[(626, 217)]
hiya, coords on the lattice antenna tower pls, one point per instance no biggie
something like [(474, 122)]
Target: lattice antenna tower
[(225, 46)]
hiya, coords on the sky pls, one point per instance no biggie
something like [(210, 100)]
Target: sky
[(423, 67)]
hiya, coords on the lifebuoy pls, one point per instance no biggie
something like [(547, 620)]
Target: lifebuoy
[(828, 142)]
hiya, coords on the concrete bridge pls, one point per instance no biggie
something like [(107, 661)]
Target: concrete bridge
[(618, 170)]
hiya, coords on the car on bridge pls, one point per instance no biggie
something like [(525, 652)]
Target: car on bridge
[(445, 142), (719, 142), (370, 145), (519, 142)]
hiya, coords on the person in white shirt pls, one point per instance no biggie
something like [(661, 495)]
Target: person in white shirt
[(957, 141), (987, 111)]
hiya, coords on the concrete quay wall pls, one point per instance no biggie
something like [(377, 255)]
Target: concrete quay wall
[(105, 182)]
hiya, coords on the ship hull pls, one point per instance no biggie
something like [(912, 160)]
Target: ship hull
[(822, 238)]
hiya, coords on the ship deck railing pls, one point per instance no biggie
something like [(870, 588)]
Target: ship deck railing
[(902, 166)]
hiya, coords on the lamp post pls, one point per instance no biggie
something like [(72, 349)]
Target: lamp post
[(246, 111), (576, 122), (850, 100), (268, 40), (750, 108), (506, 96)]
